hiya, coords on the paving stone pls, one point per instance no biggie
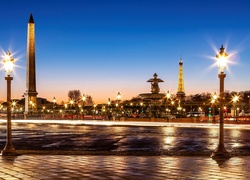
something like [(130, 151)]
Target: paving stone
[(122, 167)]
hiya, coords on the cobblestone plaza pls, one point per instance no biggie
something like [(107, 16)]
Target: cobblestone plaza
[(69, 151), (122, 167)]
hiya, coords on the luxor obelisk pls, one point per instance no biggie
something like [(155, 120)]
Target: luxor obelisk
[(30, 93)]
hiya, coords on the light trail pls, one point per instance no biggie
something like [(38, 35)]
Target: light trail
[(129, 123)]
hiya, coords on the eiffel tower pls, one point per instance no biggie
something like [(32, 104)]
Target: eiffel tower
[(180, 92)]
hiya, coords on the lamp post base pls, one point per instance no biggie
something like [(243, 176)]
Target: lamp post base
[(220, 155), (9, 150), (220, 152)]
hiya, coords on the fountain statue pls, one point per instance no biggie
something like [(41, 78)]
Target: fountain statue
[(154, 97)]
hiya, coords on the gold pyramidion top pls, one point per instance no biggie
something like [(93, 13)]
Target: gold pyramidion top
[(31, 20)]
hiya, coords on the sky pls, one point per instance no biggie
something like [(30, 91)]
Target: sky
[(102, 47)]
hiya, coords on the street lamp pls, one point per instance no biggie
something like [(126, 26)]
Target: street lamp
[(14, 108), (94, 111), (9, 149), (109, 111), (54, 100), (83, 103), (117, 104), (220, 151), (31, 106), (83, 97), (179, 105), (235, 99), (65, 110), (71, 101), (168, 95), (109, 102), (214, 98), (119, 96), (65, 105), (54, 106)]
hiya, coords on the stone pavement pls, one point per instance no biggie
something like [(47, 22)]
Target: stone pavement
[(122, 167)]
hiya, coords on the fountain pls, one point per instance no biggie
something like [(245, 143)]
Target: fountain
[(154, 97)]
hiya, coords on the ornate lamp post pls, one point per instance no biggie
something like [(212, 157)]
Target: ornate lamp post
[(43, 112), (235, 100), (214, 98), (54, 107), (31, 106), (172, 107), (65, 110), (221, 151), (14, 108), (79, 110), (168, 96), (117, 104), (54, 100), (83, 103), (109, 102), (94, 111), (119, 96), (9, 149), (71, 101), (109, 111)]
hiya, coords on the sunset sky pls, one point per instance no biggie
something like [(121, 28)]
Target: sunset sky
[(102, 47)]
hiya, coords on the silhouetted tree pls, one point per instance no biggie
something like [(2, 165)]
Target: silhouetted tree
[(74, 95), (89, 101)]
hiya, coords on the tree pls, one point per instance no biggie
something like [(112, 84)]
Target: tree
[(89, 101), (74, 95)]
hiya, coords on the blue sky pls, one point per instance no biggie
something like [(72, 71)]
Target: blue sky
[(102, 47)]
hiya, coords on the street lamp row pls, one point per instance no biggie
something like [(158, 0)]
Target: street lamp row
[(220, 151)]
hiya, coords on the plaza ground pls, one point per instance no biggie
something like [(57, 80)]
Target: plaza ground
[(124, 138), (56, 149), (122, 167)]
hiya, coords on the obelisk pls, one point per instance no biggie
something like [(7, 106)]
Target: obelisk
[(30, 93)]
